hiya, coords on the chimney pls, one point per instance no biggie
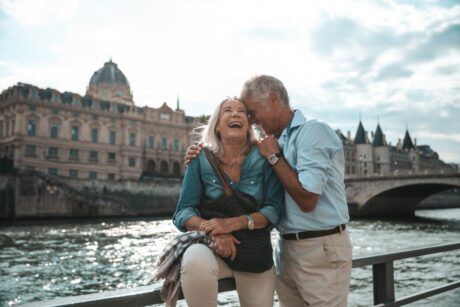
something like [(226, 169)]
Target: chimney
[(349, 134), (372, 134), (415, 142), (399, 145)]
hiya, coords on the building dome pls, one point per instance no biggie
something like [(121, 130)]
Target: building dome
[(109, 74), (110, 83)]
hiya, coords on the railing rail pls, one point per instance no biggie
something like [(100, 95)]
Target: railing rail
[(382, 274)]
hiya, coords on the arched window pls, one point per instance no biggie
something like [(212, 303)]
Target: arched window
[(164, 167), (150, 166), (176, 169)]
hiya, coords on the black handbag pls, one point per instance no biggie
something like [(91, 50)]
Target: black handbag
[(255, 253)]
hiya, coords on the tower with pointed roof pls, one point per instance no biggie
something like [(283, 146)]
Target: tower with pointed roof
[(381, 152), (364, 155)]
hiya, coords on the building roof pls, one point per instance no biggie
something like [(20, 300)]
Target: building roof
[(407, 142), (379, 138), (360, 137), (109, 74)]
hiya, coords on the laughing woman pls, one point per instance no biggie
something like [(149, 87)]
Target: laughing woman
[(204, 205)]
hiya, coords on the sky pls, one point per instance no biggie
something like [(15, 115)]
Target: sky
[(396, 63)]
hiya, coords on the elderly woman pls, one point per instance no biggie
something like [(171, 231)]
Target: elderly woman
[(227, 137)]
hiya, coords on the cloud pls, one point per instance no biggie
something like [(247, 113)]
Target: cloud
[(38, 12), (393, 71), (387, 59)]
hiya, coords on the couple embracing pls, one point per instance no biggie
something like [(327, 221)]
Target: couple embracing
[(238, 187)]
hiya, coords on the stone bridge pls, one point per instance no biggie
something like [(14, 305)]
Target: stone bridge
[(395, 195)]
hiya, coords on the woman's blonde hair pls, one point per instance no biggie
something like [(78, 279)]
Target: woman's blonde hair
[(208, 134)]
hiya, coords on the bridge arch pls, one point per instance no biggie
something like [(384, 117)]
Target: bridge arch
[(395, 196)]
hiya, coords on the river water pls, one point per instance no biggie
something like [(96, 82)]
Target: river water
[(41, 260)]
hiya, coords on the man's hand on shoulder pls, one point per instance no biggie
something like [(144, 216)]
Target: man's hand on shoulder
[(192, 152)]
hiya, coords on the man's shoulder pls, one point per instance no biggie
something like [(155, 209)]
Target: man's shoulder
[(318, 131), (316, 125)]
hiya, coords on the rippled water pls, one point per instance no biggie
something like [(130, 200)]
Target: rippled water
[(46, 259)]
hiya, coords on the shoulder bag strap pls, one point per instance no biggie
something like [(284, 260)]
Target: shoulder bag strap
[(215, 165)]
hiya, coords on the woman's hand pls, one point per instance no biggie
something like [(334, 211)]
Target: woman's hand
[(217, 226), (226, 245)]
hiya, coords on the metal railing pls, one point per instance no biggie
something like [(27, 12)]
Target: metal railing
[(382, 275)]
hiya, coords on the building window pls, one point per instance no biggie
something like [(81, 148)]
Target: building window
[(74, 133), (55, 111), (31, 128), (32, 107), (151, 142), (73, 173), (93, 155), (94, 135), (164, 143), (165, 116), (75, 114), (1, 129), (176, 145), (30, 168), (111, 176), (113, 137), (94, 117), (132, 161), (111, 157), (73, 154), (54, 130), (53, 151), (53, 171), (31, 150), (132, 139), (92, 175)]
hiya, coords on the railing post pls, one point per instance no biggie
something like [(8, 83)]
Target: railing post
[(383, 280)]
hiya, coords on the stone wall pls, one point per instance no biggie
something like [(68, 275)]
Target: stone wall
[(37, 195)]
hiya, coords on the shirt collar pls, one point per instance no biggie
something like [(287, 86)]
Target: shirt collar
[(297, 120)]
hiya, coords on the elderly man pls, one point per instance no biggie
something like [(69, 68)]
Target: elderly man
[(313, 255), (314, 251)]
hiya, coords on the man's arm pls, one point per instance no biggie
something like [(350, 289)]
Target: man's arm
[(289, 178)]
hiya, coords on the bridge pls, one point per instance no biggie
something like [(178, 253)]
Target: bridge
[(395, 195)]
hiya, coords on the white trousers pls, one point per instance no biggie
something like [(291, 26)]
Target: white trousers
[(201, 269)]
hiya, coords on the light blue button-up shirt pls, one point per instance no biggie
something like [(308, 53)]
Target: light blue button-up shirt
[(315, 152)]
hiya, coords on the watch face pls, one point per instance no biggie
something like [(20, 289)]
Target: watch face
[(272, 159)]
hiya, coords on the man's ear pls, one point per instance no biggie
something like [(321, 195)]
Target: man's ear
[(273, 98)]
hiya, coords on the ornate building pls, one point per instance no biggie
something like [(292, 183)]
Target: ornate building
[(369, 157), (102, 135)]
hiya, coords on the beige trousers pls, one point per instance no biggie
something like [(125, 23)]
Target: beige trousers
[(314, 272), (201, 269)]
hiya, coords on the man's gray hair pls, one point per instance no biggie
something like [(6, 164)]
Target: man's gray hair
[(208, 134), (260, 87)]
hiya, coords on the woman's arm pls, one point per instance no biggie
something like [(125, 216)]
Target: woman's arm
[(190, 195)]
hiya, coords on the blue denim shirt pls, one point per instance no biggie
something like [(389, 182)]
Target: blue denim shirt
[(315, 152), (257, 179)]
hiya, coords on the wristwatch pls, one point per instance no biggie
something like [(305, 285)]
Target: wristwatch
[(250, 222), (272, 159)]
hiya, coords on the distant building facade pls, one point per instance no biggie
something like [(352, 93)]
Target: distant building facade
[(101, 135), (366, 156)]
